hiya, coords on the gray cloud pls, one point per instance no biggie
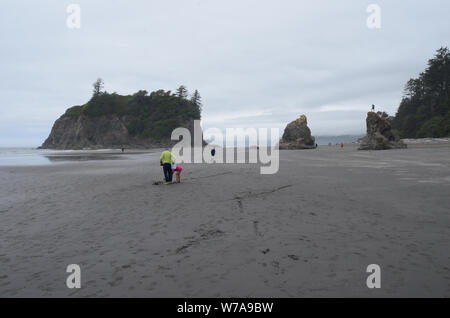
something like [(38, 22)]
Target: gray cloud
[(256, 63)]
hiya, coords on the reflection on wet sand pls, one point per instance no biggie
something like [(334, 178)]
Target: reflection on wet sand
[(83, 157)]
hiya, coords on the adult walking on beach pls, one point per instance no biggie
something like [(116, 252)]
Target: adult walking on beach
[(166, 161)]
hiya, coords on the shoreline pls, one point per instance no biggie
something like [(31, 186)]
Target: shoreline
[(39, 157)]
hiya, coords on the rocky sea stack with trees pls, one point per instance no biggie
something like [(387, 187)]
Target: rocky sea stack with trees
[(140, 120)]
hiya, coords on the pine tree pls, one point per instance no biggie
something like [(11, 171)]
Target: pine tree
[(98, 86), (182, 92), (196, 100), (425, 108)]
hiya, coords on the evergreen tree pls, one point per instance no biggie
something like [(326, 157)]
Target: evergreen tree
[(196, 100), (98, 86), (425, 108), (182, 92)]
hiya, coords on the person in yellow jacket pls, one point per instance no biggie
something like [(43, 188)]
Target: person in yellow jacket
[(166, 161)]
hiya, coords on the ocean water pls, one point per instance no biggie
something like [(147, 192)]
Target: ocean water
[(23, 157), (39, 157)]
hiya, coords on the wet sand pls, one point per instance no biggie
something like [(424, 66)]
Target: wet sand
[(228, 231)]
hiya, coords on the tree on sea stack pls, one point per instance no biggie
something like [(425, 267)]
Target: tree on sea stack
[(196, 99), (182, 92), (98, 86)]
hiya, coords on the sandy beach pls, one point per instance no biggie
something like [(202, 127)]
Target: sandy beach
[(227, 231)]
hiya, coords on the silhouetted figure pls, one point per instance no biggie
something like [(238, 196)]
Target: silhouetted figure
[(166, 160), (373, 107), (213, 152), (123, 149)]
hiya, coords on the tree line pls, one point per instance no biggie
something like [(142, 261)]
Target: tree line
[(146, 115), (425, 107)]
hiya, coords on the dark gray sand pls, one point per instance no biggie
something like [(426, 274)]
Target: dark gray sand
[(226, 230)]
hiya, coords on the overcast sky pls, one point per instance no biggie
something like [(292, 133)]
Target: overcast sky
[(256, 63)]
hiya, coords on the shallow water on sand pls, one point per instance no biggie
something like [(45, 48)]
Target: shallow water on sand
[(23, 157), (38, 157)]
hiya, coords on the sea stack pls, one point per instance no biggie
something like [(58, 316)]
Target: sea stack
[(379, 134), (115, 121), (297, 135)]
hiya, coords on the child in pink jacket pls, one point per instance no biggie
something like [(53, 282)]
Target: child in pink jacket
[(177, 170)]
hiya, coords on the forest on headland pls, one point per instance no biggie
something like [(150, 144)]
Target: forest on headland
[(425, 107)]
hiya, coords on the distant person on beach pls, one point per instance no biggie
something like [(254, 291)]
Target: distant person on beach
[(123, 149), (177, 170), (166, 160)]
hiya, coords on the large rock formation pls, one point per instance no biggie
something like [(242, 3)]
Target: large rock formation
[(108, 131), (297, 135), (379, 134), (116, 121)]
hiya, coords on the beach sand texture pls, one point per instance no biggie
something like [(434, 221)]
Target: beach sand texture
[(228, 231)]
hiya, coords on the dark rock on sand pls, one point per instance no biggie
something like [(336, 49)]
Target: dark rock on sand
[(140, 120), (107, 131), (297, 135), (379, 134)]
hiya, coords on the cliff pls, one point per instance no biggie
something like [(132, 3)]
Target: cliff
[(114, 121)]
